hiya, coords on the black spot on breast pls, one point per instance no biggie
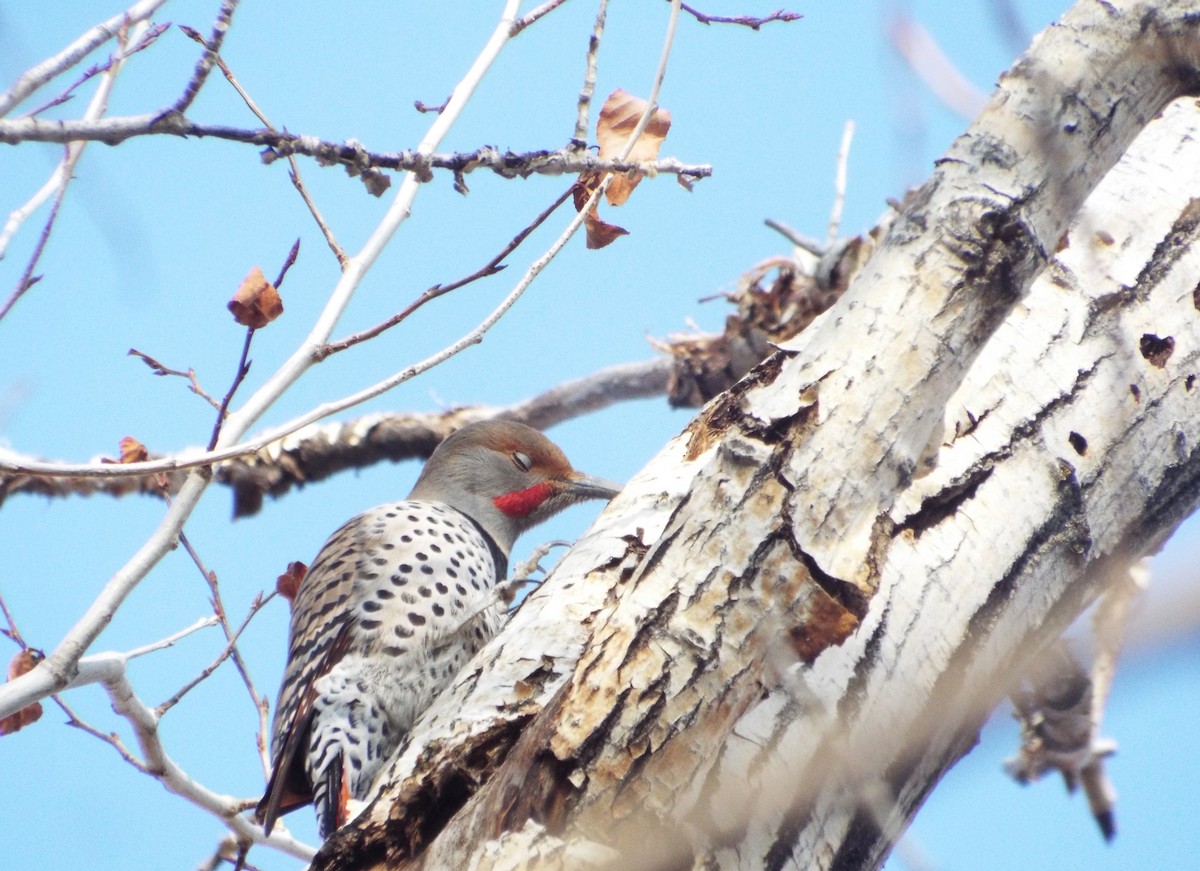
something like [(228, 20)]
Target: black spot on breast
[(402, 631), (441, 588), (460, 589), (385, 593), (369, 624), (425, 591), (380, 561), (436, 548), (371, 606), (416, 619), (427, 569), (438, 610), (392, 651), (423, 557)]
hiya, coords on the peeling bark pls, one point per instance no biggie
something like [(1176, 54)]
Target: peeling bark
[(771, 646)]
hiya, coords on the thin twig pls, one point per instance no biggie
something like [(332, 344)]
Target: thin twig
[(112, 739), (204, 65), (839, 198), (243, 369), (293, 174), (533, 15), (28, 279), (12, 632), (808, 243), (33, 79), (148, 39), (490, 268), (288, 263), (589, 78), (229, 651), (744, 20), (64, 172), (161, 370)]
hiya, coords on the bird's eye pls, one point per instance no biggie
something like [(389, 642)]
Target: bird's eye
[(522, 460)]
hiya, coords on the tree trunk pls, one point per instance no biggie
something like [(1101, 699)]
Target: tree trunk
[(772, 645)]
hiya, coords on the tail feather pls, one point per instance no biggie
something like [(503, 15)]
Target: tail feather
[(330, 793)]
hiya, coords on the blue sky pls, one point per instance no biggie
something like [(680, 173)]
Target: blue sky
[(156, 234)]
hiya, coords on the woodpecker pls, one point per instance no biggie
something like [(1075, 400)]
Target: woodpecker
[(396, 603)]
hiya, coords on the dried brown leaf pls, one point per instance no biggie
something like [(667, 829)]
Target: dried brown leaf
[(288, 584), (601, 233), (618, 118), (25, 661), (256, 302), (133, 451)]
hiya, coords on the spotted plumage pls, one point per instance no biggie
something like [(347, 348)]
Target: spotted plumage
[(396, 603)]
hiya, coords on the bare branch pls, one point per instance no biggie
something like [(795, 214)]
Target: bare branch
[(65, 662), (62, 175), (207, 60), (28, 279), (231, 652), (534, 14), (293, 174), (589, 78), (490, 268), (744, 20), (351, 155), (839, 198), (34, 78), (161, 370)]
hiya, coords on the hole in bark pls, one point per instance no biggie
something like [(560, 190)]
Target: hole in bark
[(1078, 442), (1137, 394), (1156, 351)]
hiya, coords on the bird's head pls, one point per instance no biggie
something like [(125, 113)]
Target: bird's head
[(506, 476)]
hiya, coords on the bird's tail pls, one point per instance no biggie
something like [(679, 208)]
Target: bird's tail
[(330, 794)]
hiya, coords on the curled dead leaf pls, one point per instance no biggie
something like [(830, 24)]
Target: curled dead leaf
[(599, 232), (288, 584), (256, 302), (133, 451), (25, 661), (618, 118)]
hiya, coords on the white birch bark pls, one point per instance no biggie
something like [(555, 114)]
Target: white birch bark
[(772, 645)]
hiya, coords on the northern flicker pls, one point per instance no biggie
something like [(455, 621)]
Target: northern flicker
[(396, 603)]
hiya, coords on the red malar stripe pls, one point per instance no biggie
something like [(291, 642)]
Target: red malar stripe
[(520, 502)]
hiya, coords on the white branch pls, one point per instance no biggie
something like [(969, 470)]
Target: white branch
[(34, 78), (57, 670), (64, 172)]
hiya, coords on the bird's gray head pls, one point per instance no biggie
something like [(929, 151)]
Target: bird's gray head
[(507, 477)]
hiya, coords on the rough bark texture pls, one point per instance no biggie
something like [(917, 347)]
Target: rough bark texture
[(774, 642)]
